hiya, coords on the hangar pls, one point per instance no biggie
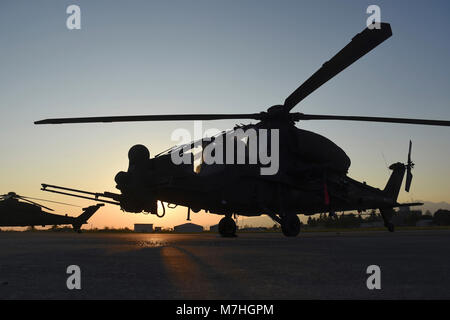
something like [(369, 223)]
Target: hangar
[(188, 227), (143, 227)]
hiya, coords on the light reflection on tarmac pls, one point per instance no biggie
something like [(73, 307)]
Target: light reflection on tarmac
[(414, 264)]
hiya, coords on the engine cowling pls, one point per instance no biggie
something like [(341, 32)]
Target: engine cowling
[(138, 157), (138, 154)]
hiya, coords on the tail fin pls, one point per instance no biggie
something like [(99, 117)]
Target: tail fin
[(84, 217), (394, 183)]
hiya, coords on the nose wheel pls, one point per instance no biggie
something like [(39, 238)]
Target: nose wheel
[(290, 225), (227, 227)]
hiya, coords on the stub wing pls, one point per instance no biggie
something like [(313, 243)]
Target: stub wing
[(410, 204)]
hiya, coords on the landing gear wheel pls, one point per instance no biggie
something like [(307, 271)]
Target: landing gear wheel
[(390, 227), (227, 227), (290, 225)]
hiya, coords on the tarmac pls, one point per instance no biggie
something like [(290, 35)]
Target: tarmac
[(321, 265)]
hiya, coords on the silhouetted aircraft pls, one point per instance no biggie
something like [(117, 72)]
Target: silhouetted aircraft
[(311, 178), (20, 211)]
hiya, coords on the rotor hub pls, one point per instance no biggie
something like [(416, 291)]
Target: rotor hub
[(277, 113)]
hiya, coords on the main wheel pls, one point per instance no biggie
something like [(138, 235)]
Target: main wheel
[(290, 225), (227, 227)]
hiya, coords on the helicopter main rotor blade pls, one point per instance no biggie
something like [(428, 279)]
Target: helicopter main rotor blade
[(67, 204), (8, 196), (360, 45), (162, 117), (35, 203), (302, 116), (409, 152), (409, 166)]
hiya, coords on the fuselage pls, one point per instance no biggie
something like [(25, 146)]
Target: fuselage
[(14, 213), (312, 178)]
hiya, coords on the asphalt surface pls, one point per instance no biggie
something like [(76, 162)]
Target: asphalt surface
[(413, 264)]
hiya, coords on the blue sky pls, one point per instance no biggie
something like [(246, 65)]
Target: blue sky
[(158, 57)]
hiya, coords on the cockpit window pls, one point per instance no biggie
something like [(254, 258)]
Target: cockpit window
[(197, 152)]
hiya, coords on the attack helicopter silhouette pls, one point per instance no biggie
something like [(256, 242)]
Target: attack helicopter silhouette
[(311, 178), (20, 211)]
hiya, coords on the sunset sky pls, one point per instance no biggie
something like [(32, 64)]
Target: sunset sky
[(203, 56)]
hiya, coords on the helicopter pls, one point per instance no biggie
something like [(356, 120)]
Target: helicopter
[(311, 176), (20, 211)]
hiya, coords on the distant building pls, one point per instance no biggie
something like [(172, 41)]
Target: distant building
[(158, 229), (143, 227), (424, 223), (406, 217), (373, 224), (188, 227), (442, 217)]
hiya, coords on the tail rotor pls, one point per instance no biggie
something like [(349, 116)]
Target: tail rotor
[(409, 167)]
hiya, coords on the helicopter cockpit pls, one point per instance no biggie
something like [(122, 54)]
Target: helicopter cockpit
[(208, 155)]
